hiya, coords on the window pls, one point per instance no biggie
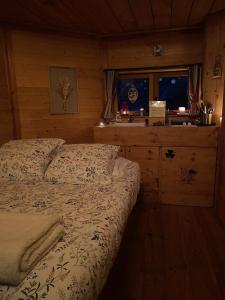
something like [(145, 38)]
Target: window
[(172, 87), (134, 91)]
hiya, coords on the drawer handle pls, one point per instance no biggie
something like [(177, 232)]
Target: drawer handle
[(170, 153)]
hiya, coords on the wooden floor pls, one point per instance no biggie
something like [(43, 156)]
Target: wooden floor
[(169, 253)]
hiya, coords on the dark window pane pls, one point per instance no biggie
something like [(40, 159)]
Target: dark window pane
[(133, 92), (174, 90)]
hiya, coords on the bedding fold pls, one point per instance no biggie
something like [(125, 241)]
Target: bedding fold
[(24, 240)]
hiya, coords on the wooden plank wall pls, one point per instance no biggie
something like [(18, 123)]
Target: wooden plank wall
[(179, 47), (213, 89), (6, 118), (33, 53)]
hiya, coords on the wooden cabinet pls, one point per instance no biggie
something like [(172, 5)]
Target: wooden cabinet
[(178, 165), (188, 176), (148, 159)]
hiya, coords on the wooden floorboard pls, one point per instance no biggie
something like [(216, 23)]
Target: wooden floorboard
[(169, 253)]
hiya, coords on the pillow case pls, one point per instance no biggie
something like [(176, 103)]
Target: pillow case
[(83, 163), (122, 167), (27, 160)]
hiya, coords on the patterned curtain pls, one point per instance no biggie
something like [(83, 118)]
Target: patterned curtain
[(195, 87), (110, 95)]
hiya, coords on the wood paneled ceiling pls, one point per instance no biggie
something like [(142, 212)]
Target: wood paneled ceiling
[(107, 17)]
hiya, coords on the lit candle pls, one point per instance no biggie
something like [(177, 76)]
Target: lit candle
[(181, 109), (101, 124), (141, 111)]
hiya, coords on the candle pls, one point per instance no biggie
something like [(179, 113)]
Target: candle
[(181, 109), (141, 111), (124, 110), (101, 124)]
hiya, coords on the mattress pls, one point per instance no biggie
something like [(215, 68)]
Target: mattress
[(95, 217)]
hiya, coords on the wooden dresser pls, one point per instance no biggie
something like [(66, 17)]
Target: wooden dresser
[(178, 164)]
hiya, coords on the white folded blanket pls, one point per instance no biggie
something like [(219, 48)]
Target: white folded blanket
[(24, 240)]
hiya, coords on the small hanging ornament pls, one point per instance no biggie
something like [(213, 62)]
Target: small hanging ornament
[(157, 50)]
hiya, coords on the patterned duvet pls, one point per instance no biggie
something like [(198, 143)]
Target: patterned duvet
[(95, 217)]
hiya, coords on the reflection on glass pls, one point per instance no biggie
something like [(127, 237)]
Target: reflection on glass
[(133, 94)]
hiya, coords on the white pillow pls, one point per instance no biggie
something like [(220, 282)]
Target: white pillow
[(83, 163), (27, 159), (122, 167)]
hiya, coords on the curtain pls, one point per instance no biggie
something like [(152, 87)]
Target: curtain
[(195, 87), (110, 95)]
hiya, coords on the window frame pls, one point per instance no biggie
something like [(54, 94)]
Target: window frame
[(153, 76)]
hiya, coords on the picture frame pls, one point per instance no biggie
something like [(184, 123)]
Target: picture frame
[(217, 68), (63, 90)]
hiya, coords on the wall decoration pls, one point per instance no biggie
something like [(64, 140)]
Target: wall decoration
[(157, 109), (133, 94), (157, 50), (217, 68), (63, 90)]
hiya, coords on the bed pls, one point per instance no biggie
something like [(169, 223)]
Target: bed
[(95, 216)]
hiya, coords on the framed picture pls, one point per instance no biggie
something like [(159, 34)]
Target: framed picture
[(217, 68), (63, 90), (157, 109)]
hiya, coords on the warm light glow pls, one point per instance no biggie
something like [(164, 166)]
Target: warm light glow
[(101, 124), (142, 111), (181, 109), (221, 120)]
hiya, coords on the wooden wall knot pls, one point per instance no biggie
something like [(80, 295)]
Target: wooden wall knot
[(188, 175)]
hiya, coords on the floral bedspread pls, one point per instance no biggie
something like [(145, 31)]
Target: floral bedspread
[(95, 218)]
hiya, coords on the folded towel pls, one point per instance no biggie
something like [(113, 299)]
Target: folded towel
[(24, 240)]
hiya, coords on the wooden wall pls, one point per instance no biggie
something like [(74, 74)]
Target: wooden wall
[(6, 118), (179, 47), (213, 89), (33, 53)]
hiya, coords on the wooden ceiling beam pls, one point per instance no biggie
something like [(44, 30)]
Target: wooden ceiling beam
[(101, 14), (122, 11), (108, 2), (145, 33), (162, 13), (132, 12), (200, 11), (152, 13), (190, 12), (171, 13), (180, 12), (103, 18), (218, 6), (12, 25), (142, 14)]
